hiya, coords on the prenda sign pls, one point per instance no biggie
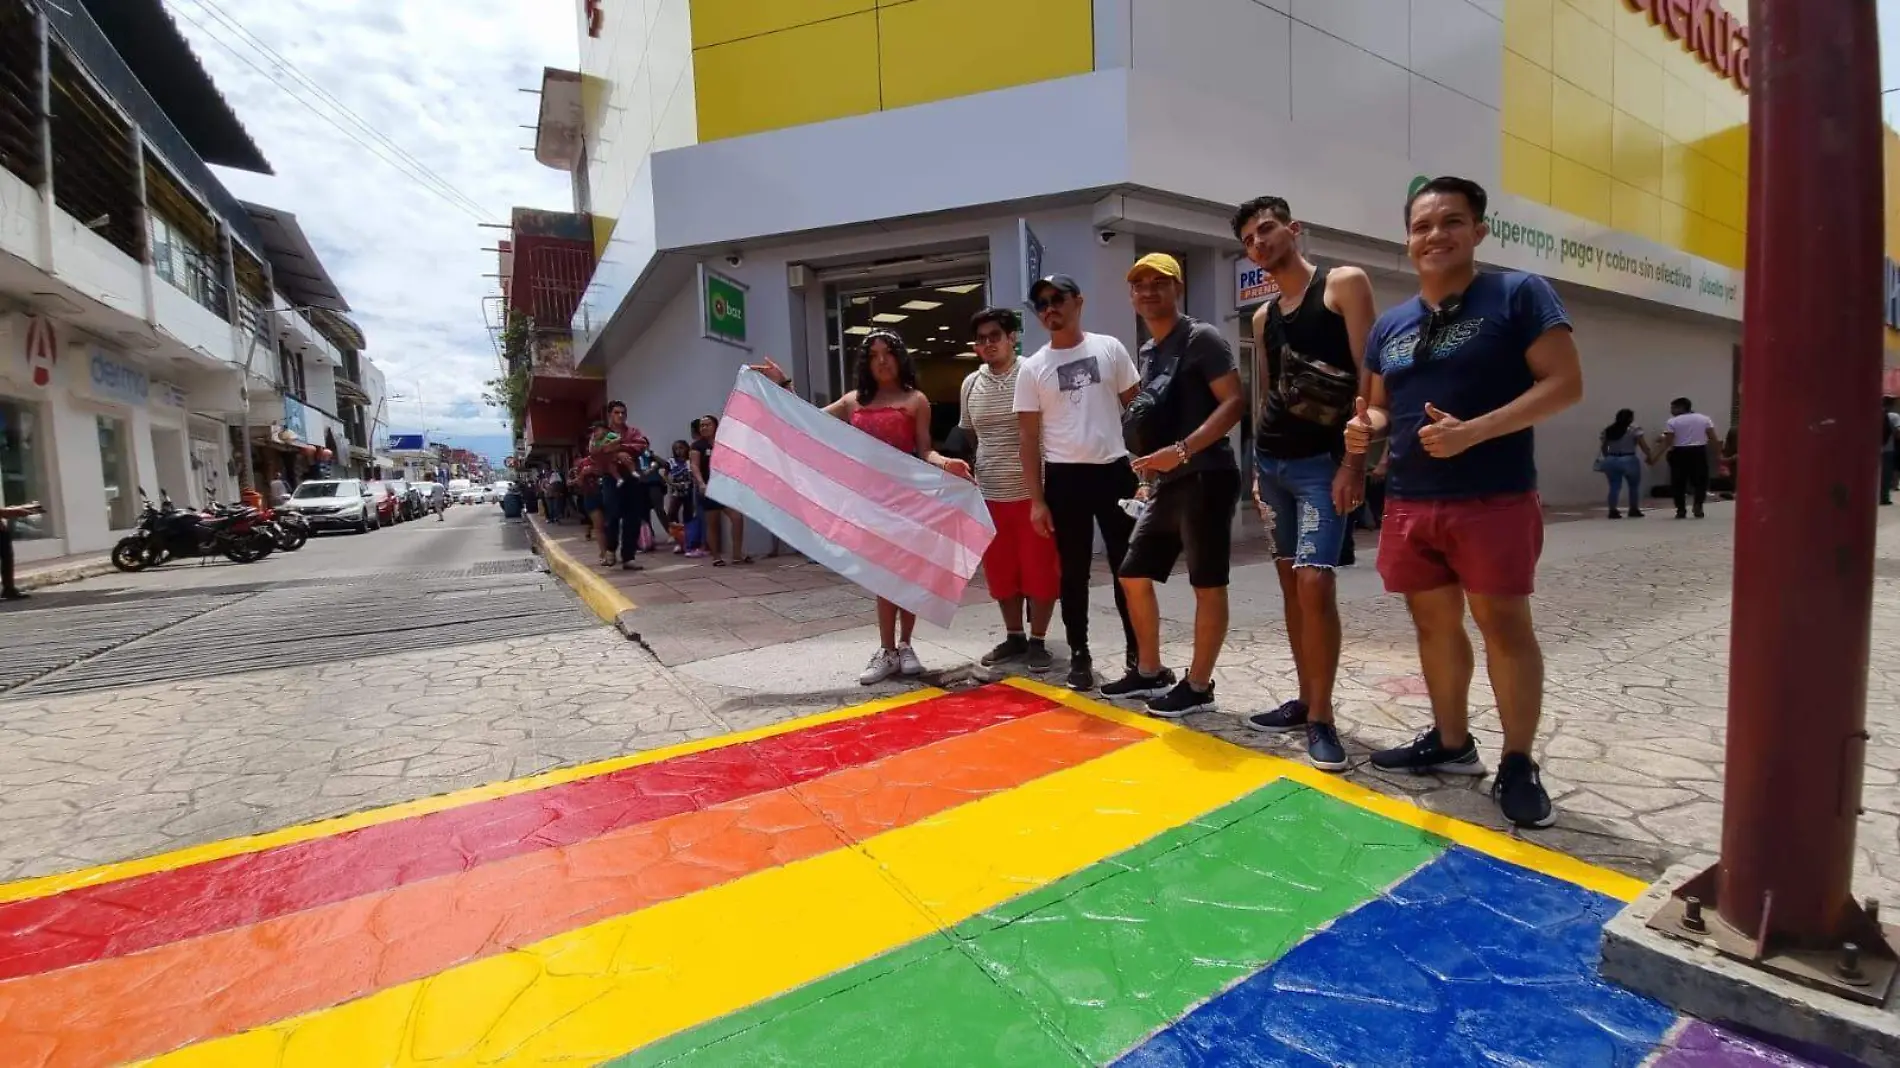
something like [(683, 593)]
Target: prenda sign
[(1706, 30)]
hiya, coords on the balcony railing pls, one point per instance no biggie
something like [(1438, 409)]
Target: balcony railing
[(87, 46)]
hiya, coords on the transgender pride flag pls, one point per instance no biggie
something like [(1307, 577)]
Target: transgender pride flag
[(886, 520)]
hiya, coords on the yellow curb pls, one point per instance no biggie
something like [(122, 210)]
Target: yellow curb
[(596, 592), (1505, 847)]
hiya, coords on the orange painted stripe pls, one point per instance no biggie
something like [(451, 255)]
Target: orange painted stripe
[(136, 1006)]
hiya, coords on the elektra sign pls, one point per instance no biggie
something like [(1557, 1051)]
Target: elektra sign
[(1706, 29)]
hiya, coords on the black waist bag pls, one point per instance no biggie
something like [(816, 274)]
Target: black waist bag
[(1310, 389), (1148, 423)]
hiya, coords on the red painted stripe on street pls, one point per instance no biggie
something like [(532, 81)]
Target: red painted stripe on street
[(113, 919), (871, 484), (832, 527), (127, 1008)]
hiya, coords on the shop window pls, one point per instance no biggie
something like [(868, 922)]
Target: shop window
[(933, 318), (23, 447), (115, 466)]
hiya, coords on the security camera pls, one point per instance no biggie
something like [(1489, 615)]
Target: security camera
[(734, 259), (1106, 237)]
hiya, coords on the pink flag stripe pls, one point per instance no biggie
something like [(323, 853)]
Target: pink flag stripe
[(872, 578), (846, 470), (832, 527), (846, 500)]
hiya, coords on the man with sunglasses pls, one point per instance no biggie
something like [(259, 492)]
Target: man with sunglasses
[(1020, 565), (1308, 345), (1459, 375), (1069, 400)]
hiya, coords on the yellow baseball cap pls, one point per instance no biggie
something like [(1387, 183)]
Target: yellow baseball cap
[(1159, 262)]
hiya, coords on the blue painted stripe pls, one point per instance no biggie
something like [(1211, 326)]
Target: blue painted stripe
[(1470, 961)]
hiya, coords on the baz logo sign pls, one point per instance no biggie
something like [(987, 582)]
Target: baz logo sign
[(1705, 29)]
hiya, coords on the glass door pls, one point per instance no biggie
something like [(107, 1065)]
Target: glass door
[(115, 465), (932, 316)]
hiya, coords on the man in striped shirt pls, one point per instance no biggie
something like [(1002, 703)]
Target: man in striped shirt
[(1020, 564)]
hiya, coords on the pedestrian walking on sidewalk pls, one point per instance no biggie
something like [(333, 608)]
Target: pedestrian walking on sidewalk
[(1617, 457), (1687, 441), (1458, 376), (1190, 399), (1020, 567), (888, 406), (1889, 436), (1309, 350), (1069, 401), (9, 589)]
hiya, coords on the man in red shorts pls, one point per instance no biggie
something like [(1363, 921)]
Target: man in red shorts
[(1459, 375), (1020, 566)]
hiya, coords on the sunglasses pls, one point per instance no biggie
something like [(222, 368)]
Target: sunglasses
[(1054, 300), (990, 337), (1440, 320)]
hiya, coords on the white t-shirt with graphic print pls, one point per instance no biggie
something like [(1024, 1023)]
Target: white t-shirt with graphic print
[(1078, 392)]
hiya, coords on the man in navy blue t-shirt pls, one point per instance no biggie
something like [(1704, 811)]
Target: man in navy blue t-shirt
[(1457, 377)]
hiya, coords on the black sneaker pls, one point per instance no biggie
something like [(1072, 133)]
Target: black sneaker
[(1519, 792), (12, 595), (1614, 514), (1135, 684), (1183, 700), (1012, 648), (1323, 748), (1037, 659), (1636, 513), (1081, 672), (1428, 754), (1288, 717)]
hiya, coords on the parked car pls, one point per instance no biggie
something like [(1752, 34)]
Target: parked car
[(498, 490), (458, 490), (334, 504), (399, 487), (388, 505)]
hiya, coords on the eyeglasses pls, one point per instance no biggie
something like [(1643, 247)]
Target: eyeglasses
[(990, 337)]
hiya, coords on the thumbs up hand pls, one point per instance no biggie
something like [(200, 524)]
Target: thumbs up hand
[(1359, 429), (1444, 436)]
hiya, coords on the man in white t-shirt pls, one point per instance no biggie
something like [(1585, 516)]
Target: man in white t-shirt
[(1686, 441), (1069, 400)]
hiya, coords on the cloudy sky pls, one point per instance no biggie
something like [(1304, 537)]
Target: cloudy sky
[(441, 79)]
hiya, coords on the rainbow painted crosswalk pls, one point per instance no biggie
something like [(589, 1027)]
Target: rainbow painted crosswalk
[(1009, 876)]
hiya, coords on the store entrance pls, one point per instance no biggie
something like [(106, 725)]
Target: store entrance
[(933, 318)]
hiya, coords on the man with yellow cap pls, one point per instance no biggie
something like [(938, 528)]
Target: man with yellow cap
[(1177, 425)]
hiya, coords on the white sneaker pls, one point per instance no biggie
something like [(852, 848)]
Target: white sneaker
[(907, 662), (883, 665)]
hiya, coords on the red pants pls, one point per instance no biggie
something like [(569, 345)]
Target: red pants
[(1020, 562)]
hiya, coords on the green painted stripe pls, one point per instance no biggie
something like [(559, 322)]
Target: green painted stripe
[(1083, 969)]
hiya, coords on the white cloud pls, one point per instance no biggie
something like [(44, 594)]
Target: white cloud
[(442, 79)]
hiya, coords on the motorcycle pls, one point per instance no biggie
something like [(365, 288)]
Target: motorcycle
[(289, 530), (165, 533)]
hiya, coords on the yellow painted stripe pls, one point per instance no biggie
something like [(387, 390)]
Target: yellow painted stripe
[(1482, 839), (602, 990), (44, 885)]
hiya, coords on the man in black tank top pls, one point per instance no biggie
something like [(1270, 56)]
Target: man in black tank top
[(1309, 345)]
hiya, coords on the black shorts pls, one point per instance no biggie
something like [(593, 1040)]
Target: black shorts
[(1193, 513)]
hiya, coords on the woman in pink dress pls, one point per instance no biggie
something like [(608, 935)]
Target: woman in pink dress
[(888, 406)]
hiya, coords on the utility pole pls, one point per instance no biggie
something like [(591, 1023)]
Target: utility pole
[(1782, 893)]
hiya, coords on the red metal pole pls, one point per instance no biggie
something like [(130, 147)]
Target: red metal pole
[(1804, 539)]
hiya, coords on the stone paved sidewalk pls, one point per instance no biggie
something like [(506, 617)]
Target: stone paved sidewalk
[(1633, 617)]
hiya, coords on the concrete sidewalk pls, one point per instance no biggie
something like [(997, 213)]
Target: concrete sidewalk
[(60, 570)]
